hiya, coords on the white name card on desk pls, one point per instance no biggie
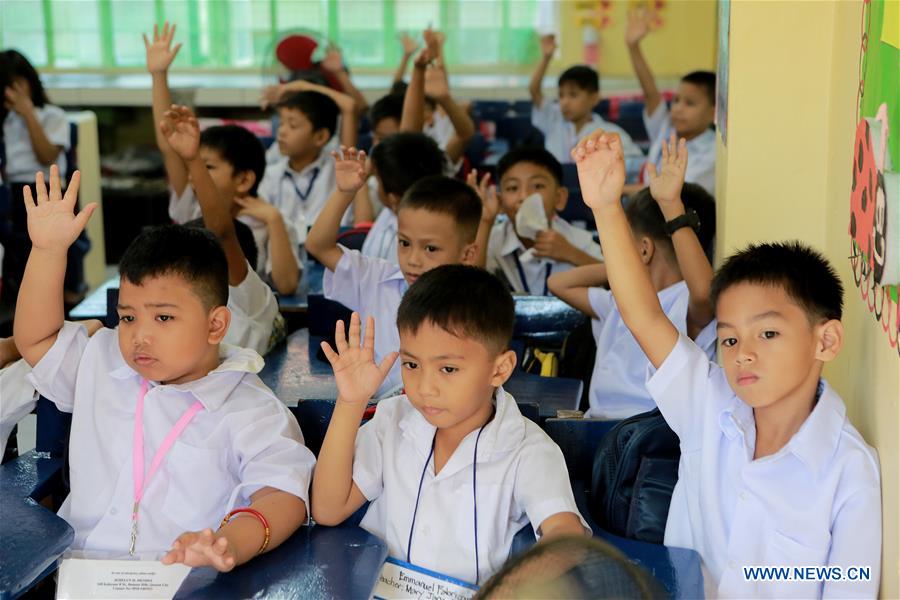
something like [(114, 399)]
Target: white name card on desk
[(118, 579), (401, 580)]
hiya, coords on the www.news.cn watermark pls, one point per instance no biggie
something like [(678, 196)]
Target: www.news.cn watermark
[(811, 573)]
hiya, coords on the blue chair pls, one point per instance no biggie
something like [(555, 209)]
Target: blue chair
[(519, 131), (631, 119), (575, 210), (489, 110), (603, 108), (544, 319), (522, 107)]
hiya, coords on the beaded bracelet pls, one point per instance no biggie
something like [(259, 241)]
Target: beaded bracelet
[(259, 516)]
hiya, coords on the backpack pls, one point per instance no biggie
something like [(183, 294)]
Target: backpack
[(634, 474)]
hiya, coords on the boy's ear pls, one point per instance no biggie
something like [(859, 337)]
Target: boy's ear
[(244, 182), (504, 365), (829, 339), (321, 136), (646, 248), (469, 253), (562, 198), (219, 320)]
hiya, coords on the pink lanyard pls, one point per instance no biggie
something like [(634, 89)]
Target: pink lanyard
[(137, 455)]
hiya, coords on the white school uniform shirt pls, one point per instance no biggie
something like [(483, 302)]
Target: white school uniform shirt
[(815, 502), (255, 320), (300, 195), (244, 439), (521, 477), (701, 167), (381, 241), (560, 136), (372, 287), (506, 253), (17, 397), (186, 207), (618, 383), (21, 161)]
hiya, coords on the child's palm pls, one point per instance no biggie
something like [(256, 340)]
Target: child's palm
[(355, 370), (182, 131), (52, 223), (638, 25), (666, 183), (601, 168), (350, 169), (548, 44), (436, 84), (160, 52)]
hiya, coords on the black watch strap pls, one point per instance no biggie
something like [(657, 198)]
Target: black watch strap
[(689, 219)]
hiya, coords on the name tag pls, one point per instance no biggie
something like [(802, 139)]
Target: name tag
[(400, 580), (118, 579)]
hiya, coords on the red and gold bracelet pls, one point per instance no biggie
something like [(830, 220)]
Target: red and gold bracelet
[(259, 516)]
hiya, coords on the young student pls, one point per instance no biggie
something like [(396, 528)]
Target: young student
[(565, 122), (228, 441), (692, 114), (617, 387), (436, 499), (255, 320), (437, 221), (235, 160), (772, 472), (526, 264), (397, 163)]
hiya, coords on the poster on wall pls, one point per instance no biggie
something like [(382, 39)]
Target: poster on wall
[(722, 70), (874, 225)]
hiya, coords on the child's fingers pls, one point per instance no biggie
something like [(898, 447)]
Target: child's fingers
[(155, 32), (369, 339), (353, 333), (651, 171), (665, 152), (82, 218), (146, 41), (176, 48), (361, 157), (54, 183), (40, 188), (340, 338), (682, 151), (330, 354), (220, 546), (29, 200), (171, 33), (72, 191)]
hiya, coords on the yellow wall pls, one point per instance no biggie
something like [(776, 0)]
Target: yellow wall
[(785, 174), (686, 41)]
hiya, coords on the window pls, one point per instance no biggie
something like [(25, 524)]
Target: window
[(241, 34)]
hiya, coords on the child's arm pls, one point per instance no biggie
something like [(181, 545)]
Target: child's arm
[(285, 269), (638, 27), (160, 55), (334, 64), (182, 133), (665, 187), (554, 245), (350, 175), (18, 100), (363, 210), (335, 495), (410, 46), (241, 538), (490, 208), (413, 116), (548, 47), (560, 525), (52, 227), (438, 87), (572, 286), (601, 172)]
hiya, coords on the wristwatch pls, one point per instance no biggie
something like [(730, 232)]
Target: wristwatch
[(690, 218)]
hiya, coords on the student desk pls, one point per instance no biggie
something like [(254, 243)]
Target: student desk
[(33, 538), (315, 562)]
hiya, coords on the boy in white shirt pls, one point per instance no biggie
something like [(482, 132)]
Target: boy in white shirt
[(617, 387), (439, 499), (235, 160), (691, 116), (565, 122), (772, 473), (526, 264), (226, 439), (437, 220)]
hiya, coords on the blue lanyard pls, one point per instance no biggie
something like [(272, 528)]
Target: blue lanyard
[(303, 196), (525, 280)]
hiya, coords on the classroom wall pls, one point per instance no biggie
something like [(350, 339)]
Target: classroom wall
[(785, 173)]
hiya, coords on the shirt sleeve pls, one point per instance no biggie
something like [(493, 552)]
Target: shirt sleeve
[(184, 208), (658, 121), (18, 397), (856, 541), (547, 116), (55, 375), (354, 277), (368, 453), (56, 126), (254, 309), (601, 301), (701, 169)]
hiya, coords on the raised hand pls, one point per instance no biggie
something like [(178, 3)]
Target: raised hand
[(666, 184), (17, 98), (490, 204), (160, 52), (271, 95), (436, 84), (333, 60), (181, 130), (201, 549), (601, 168), (425, 57), (52, 222), (548, 45), (355, 371), (410, 45), (350, 172), (639, 20)]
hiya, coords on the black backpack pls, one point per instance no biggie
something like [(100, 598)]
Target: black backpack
[(635, 470)]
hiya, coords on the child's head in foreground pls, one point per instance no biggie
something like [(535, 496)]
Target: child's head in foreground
[(307, 121), (402, 159), (437, 221), (235, 159), (455, 326), (694, 106), (579, 92), (531, 170), (778, 307), (172, 303)]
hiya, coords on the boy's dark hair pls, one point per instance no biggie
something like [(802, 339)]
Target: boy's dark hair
[(387, 107), (399, 87), (705, 80), (455, 298), (239, 148), (191, 253), (646, 218), (403, 158), (803, 273), (321, 110), (445, 195), (530, 154), (582, 77), (18, 66), (244, 236)]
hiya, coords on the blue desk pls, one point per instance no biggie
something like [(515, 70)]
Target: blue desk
[(33, 538), (316, 562)]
